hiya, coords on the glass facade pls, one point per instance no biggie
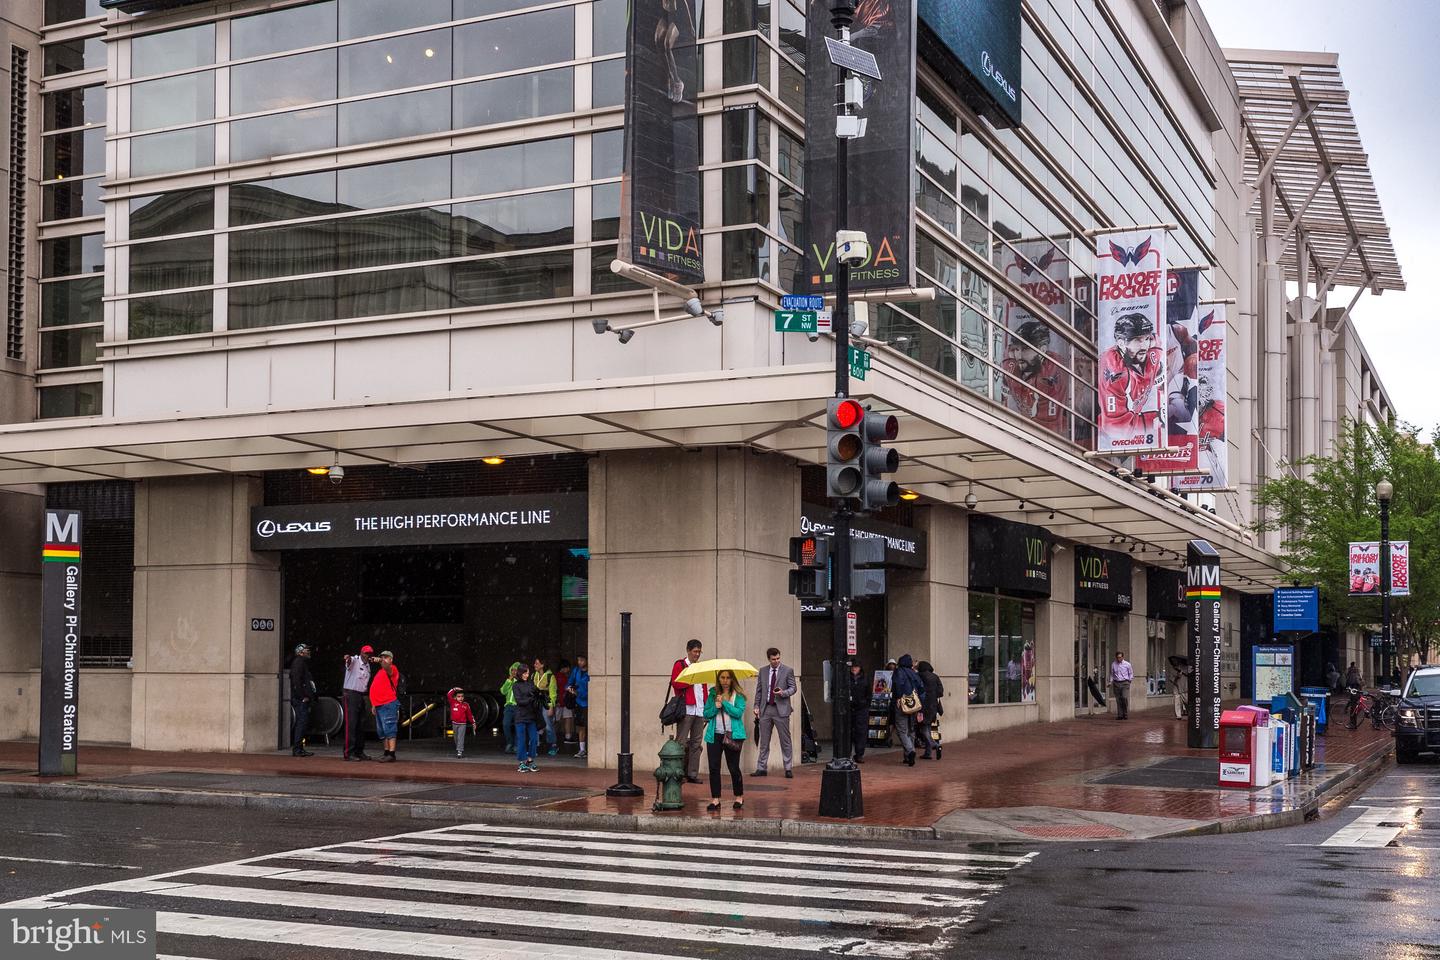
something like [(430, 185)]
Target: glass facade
[(1002, 650)]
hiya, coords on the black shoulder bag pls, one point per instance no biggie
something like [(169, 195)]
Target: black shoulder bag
[(674, 708)]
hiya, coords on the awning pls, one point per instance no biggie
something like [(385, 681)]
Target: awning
[(952, 445)]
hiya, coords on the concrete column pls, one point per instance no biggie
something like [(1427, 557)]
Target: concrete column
[(1135, 640), (927, 612), (202, 680), (22, 517), (693, 544), (1055, 641), (1274, 388)]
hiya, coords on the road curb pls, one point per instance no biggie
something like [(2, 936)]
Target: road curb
[(1323, 794), (540, 817)]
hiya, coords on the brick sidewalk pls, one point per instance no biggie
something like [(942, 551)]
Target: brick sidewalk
[(1035, 781)]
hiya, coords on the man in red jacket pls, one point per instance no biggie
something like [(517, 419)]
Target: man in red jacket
[(691, 729), (385, 704)]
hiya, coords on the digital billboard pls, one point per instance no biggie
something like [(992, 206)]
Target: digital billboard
[(975, 45)]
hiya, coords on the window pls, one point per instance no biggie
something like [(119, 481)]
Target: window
[(539, 163), (515, 223), (366, 18), (70, 400), (169, 264), (514, 43), (607, 83), (391, 118), (283, 82), (73, 55), (279, 30), (72, 347), (181, 211), (70, 199), (172, 50), (607, 154), (169, 152), (172, 101), (71, 301), (397, 62), (171, 315), (1002, 650), (608, 26), (392, 184), (72, 255), (260, 138), (521, 97), (73, 108), (62, 11), (283, 198), (66, 156)]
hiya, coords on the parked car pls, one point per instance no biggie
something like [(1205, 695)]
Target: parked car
[(1417, 716)]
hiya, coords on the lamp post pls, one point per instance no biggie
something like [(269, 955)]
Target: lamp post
[(1384, 490)]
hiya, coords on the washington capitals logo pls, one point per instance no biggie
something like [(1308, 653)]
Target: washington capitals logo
[(1206, 321), (1042, 262), (1130, 257)]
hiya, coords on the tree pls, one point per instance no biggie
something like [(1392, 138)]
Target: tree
[(1320, 514)]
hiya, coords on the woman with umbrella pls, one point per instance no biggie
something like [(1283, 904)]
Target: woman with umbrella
[(725, 721)]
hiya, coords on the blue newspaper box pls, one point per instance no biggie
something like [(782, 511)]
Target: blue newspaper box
[(1320, 697)]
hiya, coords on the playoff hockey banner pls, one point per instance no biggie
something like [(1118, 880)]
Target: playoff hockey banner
[(660, 193), (1130, 302), (1208, 407), (1036, 384), (1365, 569), (1182, 342)]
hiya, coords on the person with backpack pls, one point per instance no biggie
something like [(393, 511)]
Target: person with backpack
[(578, 688), (930, 704), (690, 730), (385, 703), (461, 716), (909, 692), (529, 711), (302, 697)]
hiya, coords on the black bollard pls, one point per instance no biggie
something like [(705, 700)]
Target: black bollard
[(625, 787)]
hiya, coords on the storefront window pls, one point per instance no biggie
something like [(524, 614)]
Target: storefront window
[(1002, 650)]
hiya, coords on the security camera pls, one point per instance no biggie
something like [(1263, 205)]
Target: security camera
[(600, 324), (625, 335), (337, 474), (717, 316), (694, 307), (971, 501), (852, 247)]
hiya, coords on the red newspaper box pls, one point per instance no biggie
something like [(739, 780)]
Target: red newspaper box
[(1237, 748)]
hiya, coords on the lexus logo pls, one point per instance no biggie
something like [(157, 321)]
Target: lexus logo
[(266, 529)]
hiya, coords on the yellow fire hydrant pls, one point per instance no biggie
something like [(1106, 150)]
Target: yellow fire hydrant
[(670, 775)]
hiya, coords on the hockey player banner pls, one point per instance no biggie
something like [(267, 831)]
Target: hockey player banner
[(1182, 354), (1036, 384), (1365, 569), (1212, 446), (660, 192), (881, 164), (1130, 278)]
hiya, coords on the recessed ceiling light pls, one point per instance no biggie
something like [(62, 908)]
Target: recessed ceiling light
[(492, 461)]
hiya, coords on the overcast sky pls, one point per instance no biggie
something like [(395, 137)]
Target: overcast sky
[(1388, 59)]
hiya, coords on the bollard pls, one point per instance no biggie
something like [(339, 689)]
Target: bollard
[(670, 774)]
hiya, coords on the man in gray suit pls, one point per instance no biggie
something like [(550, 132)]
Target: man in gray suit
[(773, 690)]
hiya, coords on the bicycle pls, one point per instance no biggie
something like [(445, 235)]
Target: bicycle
[(1358, 707)]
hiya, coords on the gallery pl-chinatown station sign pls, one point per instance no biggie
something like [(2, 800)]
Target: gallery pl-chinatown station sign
[(408, 523), (60, 644)]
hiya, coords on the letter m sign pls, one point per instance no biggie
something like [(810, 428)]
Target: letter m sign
[(1203, 576), (62, 527)]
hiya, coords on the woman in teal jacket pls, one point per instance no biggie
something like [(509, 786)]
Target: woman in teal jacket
[(725, 735)]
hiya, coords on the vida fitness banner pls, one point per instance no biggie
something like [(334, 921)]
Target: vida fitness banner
[(660, 193), (881, 163), (1130, 280), (1365, 569), (1207, 410)]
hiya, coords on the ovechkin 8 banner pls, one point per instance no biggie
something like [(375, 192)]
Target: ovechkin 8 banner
[(1130, 304), (1208, 407), (1182, 358)]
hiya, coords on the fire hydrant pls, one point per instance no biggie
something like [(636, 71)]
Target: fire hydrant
[(670, 774)]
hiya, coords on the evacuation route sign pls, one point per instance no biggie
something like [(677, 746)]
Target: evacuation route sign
[(60, 643)]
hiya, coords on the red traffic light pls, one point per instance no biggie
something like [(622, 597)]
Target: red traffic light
[(847, 413)]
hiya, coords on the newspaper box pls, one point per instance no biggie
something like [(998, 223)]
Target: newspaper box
[(1238, 761)]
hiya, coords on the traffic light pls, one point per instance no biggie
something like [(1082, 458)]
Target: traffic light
[(812, 556), (844, 443), (876, 460)]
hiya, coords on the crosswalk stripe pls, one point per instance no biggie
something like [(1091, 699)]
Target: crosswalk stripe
[(1366, 830), (396, 942), (664, 880), (899, 853), (836, 857), (803, 913), (696, 866), (531, 919)]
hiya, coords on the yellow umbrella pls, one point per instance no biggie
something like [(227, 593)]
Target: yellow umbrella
[(704, 671)]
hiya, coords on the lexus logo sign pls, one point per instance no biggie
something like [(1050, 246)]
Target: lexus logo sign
[(268, 528)]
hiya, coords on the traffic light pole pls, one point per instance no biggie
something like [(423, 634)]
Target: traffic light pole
[(840, 794)]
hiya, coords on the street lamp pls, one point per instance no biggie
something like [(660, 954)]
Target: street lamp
[(1384, 490)]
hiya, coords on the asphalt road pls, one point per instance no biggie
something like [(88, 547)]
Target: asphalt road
[(244, 885), (1357, 883)]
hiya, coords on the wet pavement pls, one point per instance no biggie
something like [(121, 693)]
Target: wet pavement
[(1079, 779)]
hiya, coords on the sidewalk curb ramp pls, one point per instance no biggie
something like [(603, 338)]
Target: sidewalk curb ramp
[(1321, 794)]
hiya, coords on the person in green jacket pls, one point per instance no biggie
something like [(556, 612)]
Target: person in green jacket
[(725, 735), (508, 723), (544, 680)]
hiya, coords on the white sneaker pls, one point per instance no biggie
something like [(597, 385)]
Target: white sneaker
[(581, 755)]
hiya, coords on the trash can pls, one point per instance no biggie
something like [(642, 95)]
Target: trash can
[(1320, 697)]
